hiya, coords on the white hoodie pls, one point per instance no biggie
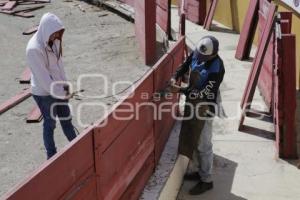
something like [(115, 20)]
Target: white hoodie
[(46, 65)]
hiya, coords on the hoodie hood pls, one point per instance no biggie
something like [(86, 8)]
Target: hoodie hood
[(49, 24)]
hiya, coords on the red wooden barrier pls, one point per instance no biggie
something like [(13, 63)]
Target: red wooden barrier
[(145, 18), (248, 31), (67, 175), (285, 97), (123, 146), (265, 82), (163, 15), (112, 160), (195, 10), (136, 187), (163, 71), (286, 22), (257, 63)]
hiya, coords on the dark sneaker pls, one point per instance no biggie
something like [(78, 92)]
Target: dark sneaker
[(194, 176), (201, 187)]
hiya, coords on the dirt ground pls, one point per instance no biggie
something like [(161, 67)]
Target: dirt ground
[(96, 42)]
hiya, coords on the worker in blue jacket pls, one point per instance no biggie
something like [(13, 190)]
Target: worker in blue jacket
[(206, 74)]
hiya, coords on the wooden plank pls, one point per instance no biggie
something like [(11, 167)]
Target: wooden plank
[(210, 15), (113, 129), (25, 77), (117, 184), (286, 22), (287, 83), (31, 30), (257, 64), (163, 71), (23, 14), (266, 78), (163, 16), (34, 116), (23, 9), (15, 100), (116, 7), (129, 139), (84, 188), (194, 10), (259, 57), (9, 5), (37, 1), (3, 2), (248, 31), (137, 186)]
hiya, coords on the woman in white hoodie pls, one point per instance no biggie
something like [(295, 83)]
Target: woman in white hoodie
[(44, 57)]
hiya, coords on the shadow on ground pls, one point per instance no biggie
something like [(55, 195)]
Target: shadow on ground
[(224, 171)]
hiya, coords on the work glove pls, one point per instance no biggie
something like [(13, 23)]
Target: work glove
[(172, 82)]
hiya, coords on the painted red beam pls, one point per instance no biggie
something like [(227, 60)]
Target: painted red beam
[(25, 77), (210, 14), (248, 31), (286, 22), (15, 100), (287, 91), (34, 116), (145, 28)]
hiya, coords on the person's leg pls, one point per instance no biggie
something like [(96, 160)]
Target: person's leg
[(205, 159), (44, 103), (192, 173), (65, 118), (205, 153)]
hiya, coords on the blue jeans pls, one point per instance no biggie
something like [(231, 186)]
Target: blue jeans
[(203, 156), (50, 109)]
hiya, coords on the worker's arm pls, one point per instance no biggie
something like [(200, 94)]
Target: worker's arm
[(184, 68), (38, 68)]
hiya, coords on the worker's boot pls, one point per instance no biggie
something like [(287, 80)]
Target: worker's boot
[(193, 176), (201, 187)]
